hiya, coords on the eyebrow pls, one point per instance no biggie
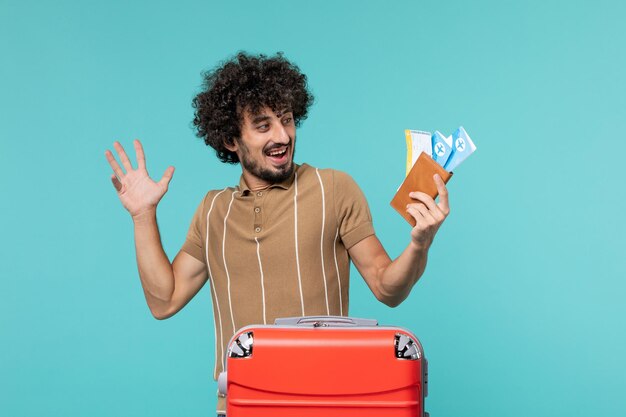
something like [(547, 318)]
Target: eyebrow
[(259, 119), (263, 118)]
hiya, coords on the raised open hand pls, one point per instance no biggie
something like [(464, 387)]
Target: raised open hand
[(137, 191)]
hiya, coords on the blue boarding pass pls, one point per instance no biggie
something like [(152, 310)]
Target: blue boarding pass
[(462, 147), (447, 151), (442, 148)]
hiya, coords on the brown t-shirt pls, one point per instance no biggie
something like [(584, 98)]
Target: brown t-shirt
[(280, 251)]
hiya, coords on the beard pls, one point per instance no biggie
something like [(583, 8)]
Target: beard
[(272, 175)]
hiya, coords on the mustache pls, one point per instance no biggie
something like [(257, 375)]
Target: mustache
[(273, 146)]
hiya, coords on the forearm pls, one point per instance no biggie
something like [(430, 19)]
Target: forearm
[(392, 281), (398, 278), (155, 269)]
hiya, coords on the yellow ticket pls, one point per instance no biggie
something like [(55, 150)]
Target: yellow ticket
[(417, 141)]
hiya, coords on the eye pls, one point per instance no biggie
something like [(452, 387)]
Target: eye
[(287, 120), (263, 127)]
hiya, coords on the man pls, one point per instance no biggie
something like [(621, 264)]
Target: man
[(280, 243)]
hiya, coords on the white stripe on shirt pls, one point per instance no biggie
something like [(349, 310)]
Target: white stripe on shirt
[(322, 239), (258, 254), (230, 303), (217, 303), (295, 207), (337, 267)]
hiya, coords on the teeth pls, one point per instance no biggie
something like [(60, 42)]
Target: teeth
[(277, 152)]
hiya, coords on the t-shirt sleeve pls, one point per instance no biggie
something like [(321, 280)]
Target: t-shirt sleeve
[(353, 214), (194, 243)]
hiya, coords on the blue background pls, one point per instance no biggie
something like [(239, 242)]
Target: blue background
[(521, 310)]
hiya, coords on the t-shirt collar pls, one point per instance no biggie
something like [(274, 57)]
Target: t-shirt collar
[(285, 184)]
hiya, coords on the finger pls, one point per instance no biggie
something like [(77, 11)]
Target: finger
[(116, 183), (444, 203), (141, 158), (123, 157), (432, 211), (419, 218), (116, 167), (427, 214), (426, 200), (167, 177)]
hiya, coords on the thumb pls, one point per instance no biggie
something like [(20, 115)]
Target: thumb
[(167, 177)]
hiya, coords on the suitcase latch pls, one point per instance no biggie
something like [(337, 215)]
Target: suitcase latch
[(241, 347), (406, 347)]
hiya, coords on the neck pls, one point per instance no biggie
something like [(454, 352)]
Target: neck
[(255, 183)]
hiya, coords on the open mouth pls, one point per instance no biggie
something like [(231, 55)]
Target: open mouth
[(278, 155)]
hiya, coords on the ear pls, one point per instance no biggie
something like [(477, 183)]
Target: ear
[(232, 146)]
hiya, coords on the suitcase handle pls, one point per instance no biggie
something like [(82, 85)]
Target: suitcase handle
[(326, 321)]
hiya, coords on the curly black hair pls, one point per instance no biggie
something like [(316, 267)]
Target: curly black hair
[(247, 83)]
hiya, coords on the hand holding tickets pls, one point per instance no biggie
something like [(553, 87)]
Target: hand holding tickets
[(428, 155)]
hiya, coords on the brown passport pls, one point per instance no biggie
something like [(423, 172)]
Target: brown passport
[(420, 178)]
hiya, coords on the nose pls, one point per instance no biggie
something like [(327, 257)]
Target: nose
[(282, 136)]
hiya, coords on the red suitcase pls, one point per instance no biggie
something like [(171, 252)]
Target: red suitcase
[(324, 366)]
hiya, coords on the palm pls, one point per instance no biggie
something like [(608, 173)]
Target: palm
[(139, 191), (136, 190)]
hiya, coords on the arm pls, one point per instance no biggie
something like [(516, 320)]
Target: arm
[(167, 286), (392, 281)]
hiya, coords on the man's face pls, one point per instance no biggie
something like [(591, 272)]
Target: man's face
[(266, 146)]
